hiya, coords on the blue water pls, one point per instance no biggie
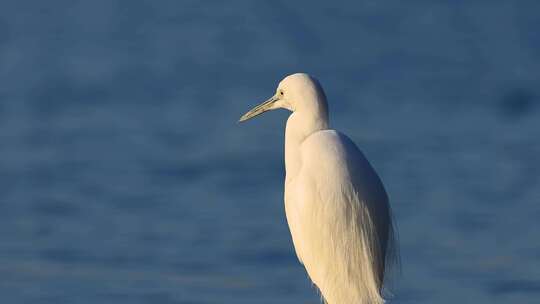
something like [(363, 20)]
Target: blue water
[(124, 177)]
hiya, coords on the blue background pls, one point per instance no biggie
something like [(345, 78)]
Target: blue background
[(124, 177)]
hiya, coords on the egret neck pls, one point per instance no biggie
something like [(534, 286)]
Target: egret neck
[(303, 122)]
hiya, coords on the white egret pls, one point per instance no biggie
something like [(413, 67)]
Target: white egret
[(336, 205)]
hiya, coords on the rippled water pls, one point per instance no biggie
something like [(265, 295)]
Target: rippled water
[(124, 177)]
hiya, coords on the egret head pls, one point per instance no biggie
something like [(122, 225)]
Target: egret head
[(296, 93)]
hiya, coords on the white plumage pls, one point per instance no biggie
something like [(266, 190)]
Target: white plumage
[(336, 206)]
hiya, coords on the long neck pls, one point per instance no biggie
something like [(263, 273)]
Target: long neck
[(300, 125)]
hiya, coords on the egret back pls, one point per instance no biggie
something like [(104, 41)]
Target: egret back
[(340, 219)]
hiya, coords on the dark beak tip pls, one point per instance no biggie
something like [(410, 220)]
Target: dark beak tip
[(242, 119)]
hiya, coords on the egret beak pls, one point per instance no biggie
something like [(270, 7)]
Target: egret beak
[(263, 107)]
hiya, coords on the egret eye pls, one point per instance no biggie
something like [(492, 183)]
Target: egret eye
[(281, 93)]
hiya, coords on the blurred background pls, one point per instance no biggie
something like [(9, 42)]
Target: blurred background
[(124, 177)]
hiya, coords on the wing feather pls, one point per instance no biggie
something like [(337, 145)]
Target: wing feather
[(344, 233)]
